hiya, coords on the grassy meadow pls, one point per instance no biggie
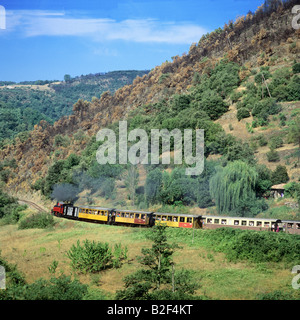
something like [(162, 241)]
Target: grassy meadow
[(34, 250)]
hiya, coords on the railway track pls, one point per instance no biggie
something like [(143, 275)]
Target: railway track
[(32, 204)]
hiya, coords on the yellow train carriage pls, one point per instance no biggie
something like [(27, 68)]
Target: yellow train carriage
[(95, 213), (178, 220), (133, 217)]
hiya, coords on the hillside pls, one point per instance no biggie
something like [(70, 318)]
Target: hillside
[(223, 85), (24, 104)]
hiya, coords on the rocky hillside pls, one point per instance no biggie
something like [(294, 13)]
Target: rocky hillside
[(259, 42)]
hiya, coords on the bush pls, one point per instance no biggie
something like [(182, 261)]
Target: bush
[(262, 140), (40, 220), (61, 288), (276, 142), (256, 246), (213, 104), (280, 175), (296, 68), (95, 256), (242, 113), (10, 210), (273, 156)]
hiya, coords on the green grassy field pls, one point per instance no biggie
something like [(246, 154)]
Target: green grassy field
[(33, 250)]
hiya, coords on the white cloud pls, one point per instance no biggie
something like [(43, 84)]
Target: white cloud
[(44, 23)]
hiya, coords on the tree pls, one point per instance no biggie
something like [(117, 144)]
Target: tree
[(242, 113), (158, 270), (131, 181), (213, 104), (67, 78), (294, 134), (153, 186), (273, 155), (280, 175), (233, 184)]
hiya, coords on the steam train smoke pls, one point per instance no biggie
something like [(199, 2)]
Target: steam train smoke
[(65, 192), (69, 192)]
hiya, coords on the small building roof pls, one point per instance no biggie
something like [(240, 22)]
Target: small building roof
[(279, 186)]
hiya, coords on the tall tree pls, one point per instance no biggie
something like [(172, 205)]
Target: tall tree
[(157, 270), (233, 184), (131, 181)]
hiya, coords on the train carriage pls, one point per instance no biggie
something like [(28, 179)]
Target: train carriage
[(213, 222), (94, 213), (178, 220), (133, 217), (291, 226)]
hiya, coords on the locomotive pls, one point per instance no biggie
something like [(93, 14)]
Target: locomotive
[(135, 218)]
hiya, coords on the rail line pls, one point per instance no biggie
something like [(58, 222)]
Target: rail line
[(32, 204)]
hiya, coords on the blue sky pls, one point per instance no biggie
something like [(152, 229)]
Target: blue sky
[(46, 39)]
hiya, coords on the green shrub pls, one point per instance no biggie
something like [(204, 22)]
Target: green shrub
[(95, 256), (242, 113), (262, 141), (61, 288), (277, 295), (276, 142), (296, 68), (39, 220), (273, 156), (280, 175), (256, 246)]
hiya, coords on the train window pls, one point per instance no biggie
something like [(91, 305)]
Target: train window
[(175, 219), (258, 223), (122, 214), (217, 221), (267, 224), (290, 225), (143, 216), (223, 221), (131, 215), (181, 219), (236, 222), (209, 220), (244, 222), (169, 218), (297, 225), (158, 218), (137, 216), (118, 214), (251, 223), (164, 218), (126, 215), (81, 210), (189, 220)]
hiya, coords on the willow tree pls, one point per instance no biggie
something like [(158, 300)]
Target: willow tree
[(232, 184)]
